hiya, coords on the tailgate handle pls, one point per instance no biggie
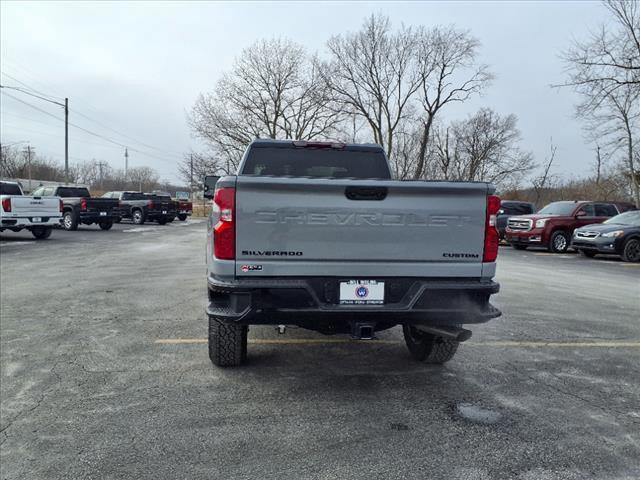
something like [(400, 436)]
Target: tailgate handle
[(366, 193)]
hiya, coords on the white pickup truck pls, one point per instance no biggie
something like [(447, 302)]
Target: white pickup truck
[(37, 214)]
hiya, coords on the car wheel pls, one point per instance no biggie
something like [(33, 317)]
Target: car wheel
[(69, 221), (106, 225), (631, 250), (559, 242), (138, 217), (427, 347), (182, 217), (588, 253), (227, 343), (41, 232), (162, 221)]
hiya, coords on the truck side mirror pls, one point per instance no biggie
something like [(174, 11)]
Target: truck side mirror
[(210, 185)]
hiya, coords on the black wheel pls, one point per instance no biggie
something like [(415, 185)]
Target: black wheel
[(106, 225), (227, 343), (519, 247), (138, 217), (41, 232), (182, 217), (69, 221), (171, 219), (588, 253), (162, 221), (559, 242), (428, 348), (631, 250)]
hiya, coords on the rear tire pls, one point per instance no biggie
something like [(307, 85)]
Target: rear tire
[(106, 225), (559, 242), (631, 250), (69, 221), (429, 348), (227, 343), (137, 217), (162, 221), (182, 217), (41, 233), (588, 253), (519, 247)]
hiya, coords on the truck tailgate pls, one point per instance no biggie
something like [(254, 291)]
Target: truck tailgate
[(356, 228), (43, 206)]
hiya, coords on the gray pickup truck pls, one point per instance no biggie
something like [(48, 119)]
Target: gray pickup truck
[(317, 235)]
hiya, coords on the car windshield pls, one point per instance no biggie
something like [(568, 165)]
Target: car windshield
[(631, 218), (558, 208)]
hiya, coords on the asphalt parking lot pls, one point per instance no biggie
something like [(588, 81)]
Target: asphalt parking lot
[(104, 374)]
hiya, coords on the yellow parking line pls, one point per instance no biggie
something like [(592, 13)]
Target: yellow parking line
[(322, 341)]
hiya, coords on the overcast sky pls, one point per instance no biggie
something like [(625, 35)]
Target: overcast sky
[(136, 68)]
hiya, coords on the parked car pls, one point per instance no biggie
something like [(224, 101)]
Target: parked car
[(162, 207), (553, 226), (79, 207), (36, 213), (131, 205), (317, 235), (619, 235), (509, 208)]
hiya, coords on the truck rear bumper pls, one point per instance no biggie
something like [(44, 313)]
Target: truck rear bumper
[(315, 300), (29, 222)]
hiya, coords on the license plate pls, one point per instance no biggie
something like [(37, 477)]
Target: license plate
[(103, 214), (362, 292), (164, 212), (36, 220)]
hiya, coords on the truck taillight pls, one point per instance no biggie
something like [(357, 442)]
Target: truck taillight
[(150, 204), (83, 204), (491, 237), (60, 205), (224, 231), (6, 204)]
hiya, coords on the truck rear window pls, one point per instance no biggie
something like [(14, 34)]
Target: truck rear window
[(67, 192), (9, 189), (309, 162)]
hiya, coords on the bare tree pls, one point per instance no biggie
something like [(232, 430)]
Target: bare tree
[(274, 90), (484, 147), (448, 74), (610, 57), (196, 166), (543, 181), (373, 73)]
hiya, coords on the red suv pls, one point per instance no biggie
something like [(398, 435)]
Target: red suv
[(553, 226)]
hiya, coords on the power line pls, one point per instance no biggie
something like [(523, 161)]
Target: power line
[(30, 88), (92, 133), (96, 121)]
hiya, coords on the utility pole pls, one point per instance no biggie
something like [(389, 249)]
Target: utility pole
[(126, 162), (101, 165), (28, 152), (66, 140), (191, 179)]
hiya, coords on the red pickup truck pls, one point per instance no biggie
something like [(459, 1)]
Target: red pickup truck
[(553, 226), (184, 209)]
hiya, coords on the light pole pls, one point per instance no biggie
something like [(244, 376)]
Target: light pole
[(65, 105)]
